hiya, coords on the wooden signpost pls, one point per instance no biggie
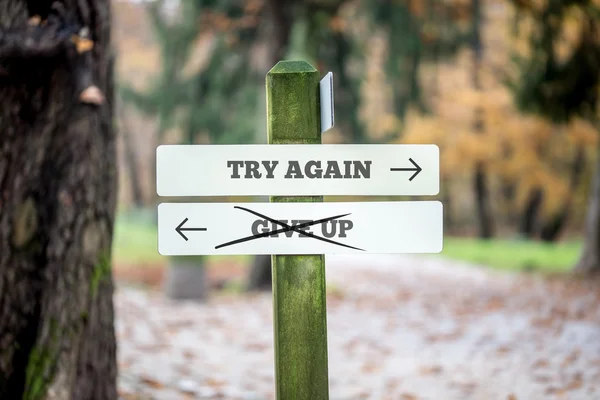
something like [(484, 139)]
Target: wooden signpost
[(299, 296), (296, 227)]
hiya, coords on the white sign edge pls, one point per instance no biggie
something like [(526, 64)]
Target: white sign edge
[(327, 109)]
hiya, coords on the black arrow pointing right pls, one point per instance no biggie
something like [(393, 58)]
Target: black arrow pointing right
[(417, 169), (180, 229)]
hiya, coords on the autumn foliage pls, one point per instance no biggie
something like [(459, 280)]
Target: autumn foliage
[(403, 74)]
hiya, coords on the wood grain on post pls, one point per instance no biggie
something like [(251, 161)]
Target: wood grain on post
[(299, 296)]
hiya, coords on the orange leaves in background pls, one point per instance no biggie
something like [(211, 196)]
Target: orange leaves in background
[(526, 152), (220, 22), (337, 24), (376, 106)]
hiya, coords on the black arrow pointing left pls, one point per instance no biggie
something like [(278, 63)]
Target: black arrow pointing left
[(180, 229)]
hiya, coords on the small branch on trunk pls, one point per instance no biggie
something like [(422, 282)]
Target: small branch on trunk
[(39, 38), (60, 34), (92, 95), (31, 42), (88, 92)]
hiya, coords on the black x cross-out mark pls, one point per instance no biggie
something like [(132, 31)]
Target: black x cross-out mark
[(287, 228)]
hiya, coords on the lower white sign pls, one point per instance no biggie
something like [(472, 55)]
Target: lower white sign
[(300, 228)]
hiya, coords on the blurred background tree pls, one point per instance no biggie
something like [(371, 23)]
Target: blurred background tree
[(504, 89), (558, 79)]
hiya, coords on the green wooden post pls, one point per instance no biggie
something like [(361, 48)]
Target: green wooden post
[(299, 297)]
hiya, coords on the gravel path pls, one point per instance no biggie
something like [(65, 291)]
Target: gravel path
[(399, 327)]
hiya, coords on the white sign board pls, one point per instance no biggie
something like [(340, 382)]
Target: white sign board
[(299, 228), (297, 170)]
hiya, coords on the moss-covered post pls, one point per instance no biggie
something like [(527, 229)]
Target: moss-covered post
[(299, 303)]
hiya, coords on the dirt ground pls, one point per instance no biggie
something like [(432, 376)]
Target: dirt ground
[(399, 327)]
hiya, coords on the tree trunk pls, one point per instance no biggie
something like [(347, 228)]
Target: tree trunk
[(589, 260), (347, 91), (259, 277), (530, 214), (449, 222), (282, 26), (480, 186), (486, 229), (552, 228), (509, 190), (57, 199), (131, 159)]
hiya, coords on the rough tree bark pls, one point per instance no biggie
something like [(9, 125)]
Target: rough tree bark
[(57, 201)]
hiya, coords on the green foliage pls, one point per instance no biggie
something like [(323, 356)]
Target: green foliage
[(219, 101), (36, 384), (215, 100), (557, 88), (101, 271), (135, 241), (41, 366), (223, 100), (414, 37), (513, 255)]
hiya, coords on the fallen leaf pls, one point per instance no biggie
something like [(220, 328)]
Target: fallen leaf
[(494, 304), (576, 383), (467, 387), (403, 295), (431, 370), (188, 354), (183, 370), (571, 358), (370, 367), (214, 383), (392, 384), (408, 396), (351, 344), (175, 325), (511, 397), (151, 348), (445, 336), (540, 364), (257, 346), (542, 378), (554, 390), (151, 382)]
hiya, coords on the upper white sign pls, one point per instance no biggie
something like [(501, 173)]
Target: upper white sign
[(297, 170)]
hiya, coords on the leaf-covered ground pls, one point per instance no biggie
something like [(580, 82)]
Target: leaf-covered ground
[(399, 328)]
